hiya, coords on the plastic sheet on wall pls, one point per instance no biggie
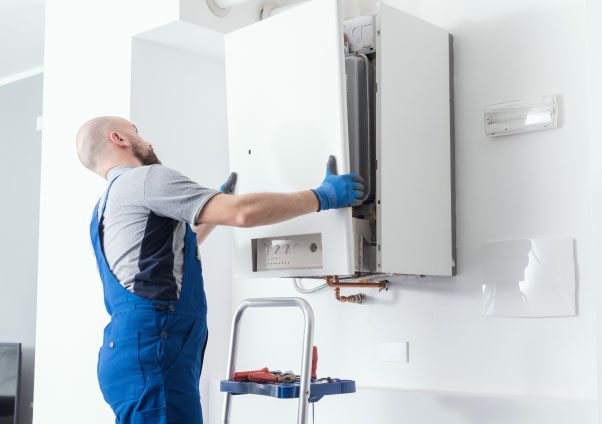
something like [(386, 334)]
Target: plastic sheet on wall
[(529, 278)]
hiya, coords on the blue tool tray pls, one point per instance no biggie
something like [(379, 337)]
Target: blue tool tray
[(288, 390)]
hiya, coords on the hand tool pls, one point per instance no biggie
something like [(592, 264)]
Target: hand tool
[(266, 377), (244, 375)]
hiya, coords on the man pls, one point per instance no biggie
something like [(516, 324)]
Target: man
[(143, 233)]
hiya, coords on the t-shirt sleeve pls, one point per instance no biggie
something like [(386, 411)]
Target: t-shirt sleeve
[(169, 193)]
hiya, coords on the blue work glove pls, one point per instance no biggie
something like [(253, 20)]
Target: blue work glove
[(338, 191), (228, 186)]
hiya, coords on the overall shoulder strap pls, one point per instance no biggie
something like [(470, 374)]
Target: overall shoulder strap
[(102, 202)]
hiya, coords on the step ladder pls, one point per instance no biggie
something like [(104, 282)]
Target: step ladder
[(304, 389)]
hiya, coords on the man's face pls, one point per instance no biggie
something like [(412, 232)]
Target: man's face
[(142, 150)]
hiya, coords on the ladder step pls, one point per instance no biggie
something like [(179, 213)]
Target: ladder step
[(288, 390)]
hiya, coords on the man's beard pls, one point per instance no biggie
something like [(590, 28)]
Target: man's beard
[(147, 158)]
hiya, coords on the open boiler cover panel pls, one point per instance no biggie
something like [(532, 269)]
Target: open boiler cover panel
[(375, 92)]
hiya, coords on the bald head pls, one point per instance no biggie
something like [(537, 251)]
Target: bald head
[(93, 140), (108, 141)]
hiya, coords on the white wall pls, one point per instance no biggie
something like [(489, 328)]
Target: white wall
[(594, 12), (521, 186), (87, 73), (394, 406), (534, 185), (20, 151)]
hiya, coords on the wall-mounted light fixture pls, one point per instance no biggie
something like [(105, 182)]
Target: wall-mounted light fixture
[(521, 116)]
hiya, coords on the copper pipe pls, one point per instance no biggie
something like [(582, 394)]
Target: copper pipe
[(334, 282), (354, 298), (375, 285)]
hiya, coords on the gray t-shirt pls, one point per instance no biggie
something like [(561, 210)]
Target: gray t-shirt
[(144, 226)]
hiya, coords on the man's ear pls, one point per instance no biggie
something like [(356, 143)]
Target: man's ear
[(117, 139)]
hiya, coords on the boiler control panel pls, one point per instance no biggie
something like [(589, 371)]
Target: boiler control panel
[(302, 251)]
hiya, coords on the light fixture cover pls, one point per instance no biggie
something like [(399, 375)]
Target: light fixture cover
[(520, 116)]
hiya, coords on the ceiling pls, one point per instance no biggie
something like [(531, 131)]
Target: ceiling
[(21, 36)]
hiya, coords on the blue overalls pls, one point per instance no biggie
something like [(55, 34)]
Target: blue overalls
[(150, 361)]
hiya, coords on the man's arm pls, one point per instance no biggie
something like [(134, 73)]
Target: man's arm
[(203, 230), (251, 210)]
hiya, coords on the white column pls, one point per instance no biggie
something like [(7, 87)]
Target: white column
[(86, 74)]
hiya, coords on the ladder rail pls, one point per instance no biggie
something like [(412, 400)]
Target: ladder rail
[(308, 336)]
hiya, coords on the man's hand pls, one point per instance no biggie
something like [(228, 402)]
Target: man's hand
[(339, 191), (228, 186), (203, 230)]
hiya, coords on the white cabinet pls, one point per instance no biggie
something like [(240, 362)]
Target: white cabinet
[(287, 111)]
